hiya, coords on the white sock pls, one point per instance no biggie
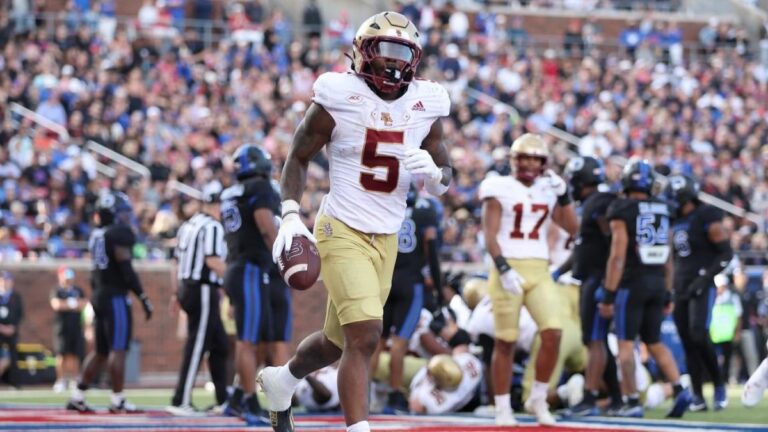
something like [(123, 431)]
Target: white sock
[(503, 403), (285, 376), (539, 390), (77, 394), (117, 398), (362, 426)]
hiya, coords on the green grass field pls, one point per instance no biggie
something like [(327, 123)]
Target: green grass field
[(158, 398)]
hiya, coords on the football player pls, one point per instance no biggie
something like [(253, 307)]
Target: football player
[(381, 127), (417, 246), (112, 277), (319, 391), (702, 250), (516, 215), (637, 272), (447, 384), (585, 174), (248, 210)]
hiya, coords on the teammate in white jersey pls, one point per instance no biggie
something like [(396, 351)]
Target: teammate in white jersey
[(447, 384), (318, 391), (380, 127), (517, 212)]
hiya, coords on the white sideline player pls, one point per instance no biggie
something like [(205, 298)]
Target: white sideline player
[(756, 385)]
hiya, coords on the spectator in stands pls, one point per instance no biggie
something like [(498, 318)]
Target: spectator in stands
[(312, 19), (11, 314), (68, 301)]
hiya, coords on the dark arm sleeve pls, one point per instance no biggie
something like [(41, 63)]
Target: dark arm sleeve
[(123, 236)]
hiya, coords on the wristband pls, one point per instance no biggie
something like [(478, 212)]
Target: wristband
[(289, 206), (565, 199), (609, 297), (501, 264)]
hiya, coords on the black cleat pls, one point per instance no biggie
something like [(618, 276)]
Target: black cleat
[(396, 402), (125, 407), (282, 421), (233, 406), (79, 406)]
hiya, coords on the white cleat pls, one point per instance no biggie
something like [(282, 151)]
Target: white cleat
[(753, 392), (183, 411), (755, 386), (505, 419), (278, 395), (574, 388), (540, 409)]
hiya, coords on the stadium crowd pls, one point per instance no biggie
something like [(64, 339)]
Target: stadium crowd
[(168, 102)]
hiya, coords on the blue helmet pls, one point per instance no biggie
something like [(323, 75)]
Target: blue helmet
[(638, 176), (252, 161), (114, 206), (582, 172)]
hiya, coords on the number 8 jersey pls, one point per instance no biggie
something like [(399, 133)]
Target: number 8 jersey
[(526, 213), (368, 181)]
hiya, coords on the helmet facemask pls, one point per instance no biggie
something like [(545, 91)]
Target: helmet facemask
[(387, 63)]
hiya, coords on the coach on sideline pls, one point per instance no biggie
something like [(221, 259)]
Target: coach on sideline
[(200, 254)]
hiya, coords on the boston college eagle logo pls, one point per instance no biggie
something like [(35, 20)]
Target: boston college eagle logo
[(386, 118)]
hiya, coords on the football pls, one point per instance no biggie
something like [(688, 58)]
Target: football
[(300, 266)]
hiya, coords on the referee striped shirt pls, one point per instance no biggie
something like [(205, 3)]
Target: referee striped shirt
[(200, 237)]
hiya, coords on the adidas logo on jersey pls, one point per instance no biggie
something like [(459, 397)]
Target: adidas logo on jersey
[(418, 106)]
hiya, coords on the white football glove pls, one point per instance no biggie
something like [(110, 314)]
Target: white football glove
[(419, 161), (512, 282), (556, 182), (290, 227)]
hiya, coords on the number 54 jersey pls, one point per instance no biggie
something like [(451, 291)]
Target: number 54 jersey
[(367, 147), (526, 213)]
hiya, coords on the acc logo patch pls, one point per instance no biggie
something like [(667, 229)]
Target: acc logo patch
[(354, 99)]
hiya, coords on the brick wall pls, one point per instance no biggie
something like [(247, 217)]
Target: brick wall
[(161, 347)]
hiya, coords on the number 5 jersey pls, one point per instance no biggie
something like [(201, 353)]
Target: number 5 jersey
[(368, 181)]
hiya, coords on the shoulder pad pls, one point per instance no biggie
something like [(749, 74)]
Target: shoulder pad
[(492, 187), (334, 90), (434, 97), (232, 192)]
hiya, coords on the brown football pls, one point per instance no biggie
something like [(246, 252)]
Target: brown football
[(300, 266)]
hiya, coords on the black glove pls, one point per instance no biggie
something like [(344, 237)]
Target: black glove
[(148, 309), (699, 285)]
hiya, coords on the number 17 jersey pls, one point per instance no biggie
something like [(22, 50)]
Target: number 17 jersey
[(368, 180), (525, 215)]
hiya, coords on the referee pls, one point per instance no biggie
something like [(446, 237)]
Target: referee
[(200, 252)]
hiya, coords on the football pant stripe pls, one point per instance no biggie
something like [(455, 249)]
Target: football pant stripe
[(414, 312)]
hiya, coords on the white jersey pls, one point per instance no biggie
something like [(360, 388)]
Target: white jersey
[(561, 250), (328, 376), (526, 213), (481, 322), (368, 180), (437, 401), (414, 343)]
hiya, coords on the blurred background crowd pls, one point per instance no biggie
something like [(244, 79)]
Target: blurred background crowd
[(177, 93)]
